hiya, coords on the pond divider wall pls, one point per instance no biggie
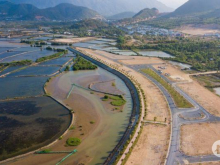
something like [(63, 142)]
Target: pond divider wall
[(135, 107)]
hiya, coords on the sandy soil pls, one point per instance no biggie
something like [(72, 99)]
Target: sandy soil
[(199, 30), (209, 163), (176, 74), (73, 40), (197, 139), (151, 147), (209, 100), (142, 60)]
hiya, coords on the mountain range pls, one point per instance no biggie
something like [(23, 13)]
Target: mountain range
[(104, 7), (146, 13), (62, 11), (122, 15), (193, 7)]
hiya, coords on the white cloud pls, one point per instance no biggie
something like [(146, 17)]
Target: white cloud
[(173, 3)]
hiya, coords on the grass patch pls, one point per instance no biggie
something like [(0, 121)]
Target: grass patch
[(73, 141), (72, 128), (92, 122), (56, 55), (117, 100), (179, 100)]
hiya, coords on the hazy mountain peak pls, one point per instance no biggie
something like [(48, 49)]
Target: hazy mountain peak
[(104, 7)]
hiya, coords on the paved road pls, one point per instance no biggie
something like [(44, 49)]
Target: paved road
[(175, 155)]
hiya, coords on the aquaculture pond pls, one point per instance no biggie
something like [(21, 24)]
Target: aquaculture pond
[(36, 71), (9, 54), (29, 56), (217, 90), (29, 124), (155, 54), (10, 69), (110, 125), (4, 49), (100, 44), (181, 65), (11, 87)]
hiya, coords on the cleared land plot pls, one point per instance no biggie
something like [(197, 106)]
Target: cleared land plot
[(197, 139), (176, 74), (73, 40), (210, 101), (36, 70), (151, 147), (199, 30), (208, 163)]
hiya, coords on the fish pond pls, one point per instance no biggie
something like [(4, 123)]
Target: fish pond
[(31, 123)]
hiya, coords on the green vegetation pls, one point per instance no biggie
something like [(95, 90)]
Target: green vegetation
[(209, 81), (67, 68), (4, 66), (46, 151), (202, 54), (117, 100), (72, 128), (146, 13), (179, 100), (20, 63), (92, 122), (57, 49), (82, 64), (73, 141), (56, 55), (34, 43), (91, 27)]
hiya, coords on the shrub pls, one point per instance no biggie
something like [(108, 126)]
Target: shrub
[(73, 141)]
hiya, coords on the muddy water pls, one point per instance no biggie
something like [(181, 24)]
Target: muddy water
[(110, 125)]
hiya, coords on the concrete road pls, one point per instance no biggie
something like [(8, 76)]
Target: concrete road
[(175, 156)]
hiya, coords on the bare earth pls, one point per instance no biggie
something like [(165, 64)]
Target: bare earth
[(176, 74), (206, 98), (209, 163), (200, 30), (73, 40), (192, 144), (151, 147)]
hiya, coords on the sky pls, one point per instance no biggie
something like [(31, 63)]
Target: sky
[(173, 3)]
